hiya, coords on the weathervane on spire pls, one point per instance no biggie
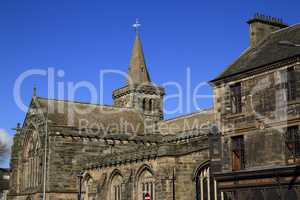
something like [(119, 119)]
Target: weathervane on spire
[(136, 25)]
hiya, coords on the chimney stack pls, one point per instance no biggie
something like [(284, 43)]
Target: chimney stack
[(261, 26)]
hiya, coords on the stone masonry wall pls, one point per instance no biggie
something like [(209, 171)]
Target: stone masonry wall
[(263, 120), (163, 172)]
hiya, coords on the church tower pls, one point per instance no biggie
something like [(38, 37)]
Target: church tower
[(139, 92)]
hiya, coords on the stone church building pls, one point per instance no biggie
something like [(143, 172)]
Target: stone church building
[(246, 147)]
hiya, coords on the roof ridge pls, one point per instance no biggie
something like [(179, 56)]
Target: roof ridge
[(187, 114), (82, 102), (286, 28)]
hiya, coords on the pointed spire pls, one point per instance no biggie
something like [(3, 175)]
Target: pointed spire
[(137, 72)]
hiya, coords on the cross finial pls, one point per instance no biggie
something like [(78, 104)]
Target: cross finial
[(136, 25)]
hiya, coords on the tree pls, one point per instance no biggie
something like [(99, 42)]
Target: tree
[(5, 143)]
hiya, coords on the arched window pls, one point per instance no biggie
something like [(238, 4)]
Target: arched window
[(30, 157), (144, 104), (205, 185), (146, 184), (151, 104), (27, 159), (88, 187), (116, 186)]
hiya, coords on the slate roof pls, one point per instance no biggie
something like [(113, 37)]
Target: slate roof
[(73, 114), (189, 122), (267, 52)]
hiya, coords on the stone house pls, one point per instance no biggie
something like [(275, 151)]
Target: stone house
[(256, 101)]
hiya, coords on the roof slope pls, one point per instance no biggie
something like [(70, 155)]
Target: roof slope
[(186, 123), (266, 52), (94, 116)]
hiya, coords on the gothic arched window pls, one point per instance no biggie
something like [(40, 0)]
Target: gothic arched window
[(205, 185), (144, 104), (116, 186), (146, 184), (28, 153), (88, 187), (151, 104)]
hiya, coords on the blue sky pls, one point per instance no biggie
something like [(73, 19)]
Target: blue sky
[(83, 37)]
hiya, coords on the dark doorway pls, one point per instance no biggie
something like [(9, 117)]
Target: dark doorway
[(272, 194), (257, 195), (290, 195)]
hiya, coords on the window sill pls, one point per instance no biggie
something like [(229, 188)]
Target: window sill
[(293, 102), (238, 170), (293, 160)]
